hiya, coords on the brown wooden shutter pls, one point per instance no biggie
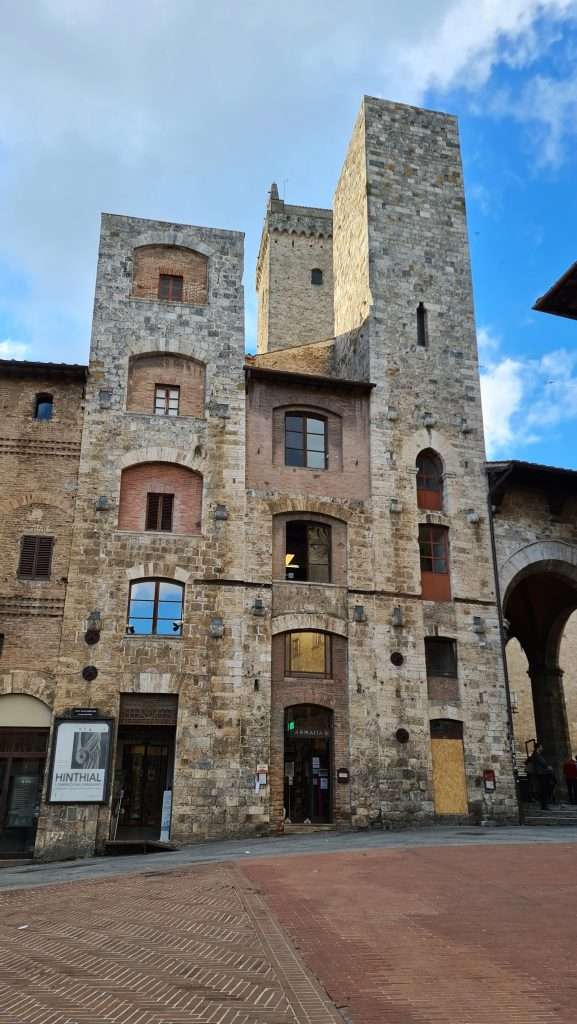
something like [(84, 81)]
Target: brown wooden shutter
[(166, 507), (35, 557), (152, 509)]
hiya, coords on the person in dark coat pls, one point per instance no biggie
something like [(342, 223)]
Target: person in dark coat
[(544, 776), (570, 773)]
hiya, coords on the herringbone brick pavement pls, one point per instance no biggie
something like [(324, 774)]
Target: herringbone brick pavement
[(459, 935), (197, 945)]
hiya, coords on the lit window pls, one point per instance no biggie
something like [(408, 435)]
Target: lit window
[(166, 400), (170, 287), (159, 509), (155, 608), (307, 653), (429, 480), (35, 558), (307, 555), (44, 407), (316, 276), (305, 441)]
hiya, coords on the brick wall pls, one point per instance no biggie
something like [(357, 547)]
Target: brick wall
[(145, 372), (152, 260), (160, 478)]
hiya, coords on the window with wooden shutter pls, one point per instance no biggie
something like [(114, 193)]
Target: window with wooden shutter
[(159, 508), (170, 287), (35, 558)]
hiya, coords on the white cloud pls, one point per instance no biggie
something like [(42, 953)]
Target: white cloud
[(524, 400), (13, 349), (549, 106)]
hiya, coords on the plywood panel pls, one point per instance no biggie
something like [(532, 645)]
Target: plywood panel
[(449, 788)]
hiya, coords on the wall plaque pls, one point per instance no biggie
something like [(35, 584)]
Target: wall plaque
[(148, 709)]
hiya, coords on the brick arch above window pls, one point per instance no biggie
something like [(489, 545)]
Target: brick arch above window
[(154, 265), (180, 378), (337, 539), (160, 496)]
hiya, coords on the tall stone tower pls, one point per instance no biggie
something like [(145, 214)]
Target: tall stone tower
[(294, 278)]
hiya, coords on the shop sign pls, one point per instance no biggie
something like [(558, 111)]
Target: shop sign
[(310, 733), (80, 762), (148, 709)]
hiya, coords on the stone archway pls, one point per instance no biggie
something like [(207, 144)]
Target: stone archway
[(537, 604)]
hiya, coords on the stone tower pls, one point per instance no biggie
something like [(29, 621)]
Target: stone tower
[(294, 277)]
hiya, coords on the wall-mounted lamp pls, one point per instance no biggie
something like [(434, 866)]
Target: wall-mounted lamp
[(258, 607), (478, 625), (395, 505), (473, 517), (221, 512)]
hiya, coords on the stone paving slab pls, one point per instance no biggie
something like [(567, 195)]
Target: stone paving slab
[(462, 935), (197, 945)]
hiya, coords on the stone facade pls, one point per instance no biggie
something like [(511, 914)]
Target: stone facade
[(404, 740)]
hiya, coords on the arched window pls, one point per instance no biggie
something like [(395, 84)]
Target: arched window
[(429, 480), (422, 326), (44, 407), (308, 552), (434, 555), (305, 441), (316, 276), (155, 608), (171, 273), (308, 653), (165, 384)]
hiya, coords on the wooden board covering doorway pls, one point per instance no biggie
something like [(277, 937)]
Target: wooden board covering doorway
[(449, 782)]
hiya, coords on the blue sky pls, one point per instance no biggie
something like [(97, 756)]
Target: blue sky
[(187, 111)]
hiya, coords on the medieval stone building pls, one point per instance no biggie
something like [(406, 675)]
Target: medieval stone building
[(244, 594)]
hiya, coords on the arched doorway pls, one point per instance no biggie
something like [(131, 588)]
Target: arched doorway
[(24, 729), (537, 606), (308, 752)]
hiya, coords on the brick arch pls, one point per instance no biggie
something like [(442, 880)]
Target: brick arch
[(143, 478), (146, 370), (308, 620), (158, 570), (30, 684), (539, 556), (155, 258), (313, 506), (30, 501), (160, 453), (172, 238)]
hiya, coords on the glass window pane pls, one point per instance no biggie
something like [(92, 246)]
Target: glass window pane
[(172, 411), (294, 457), (315, 426), (293, 440), (169, 610), (170, 591), (316, 460), (316, 442), (319, 573), (143, 590), (140, 627), (307, 653), (174, 393), (294, 423), (168, 627)]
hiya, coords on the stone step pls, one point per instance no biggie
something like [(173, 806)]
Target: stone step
[(131, 847), (300, 829)]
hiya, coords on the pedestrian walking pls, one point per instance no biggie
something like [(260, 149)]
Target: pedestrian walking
[(544, 776), (570, 773)]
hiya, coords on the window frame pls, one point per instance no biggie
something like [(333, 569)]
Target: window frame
[(430, 497), (316, 277), (309, 525), (443, 537), (34, 574), (167, 388), (422, 326), (171, 279), (163, 506), (289, 672), (437, 641), (305, 417), (157, 580)]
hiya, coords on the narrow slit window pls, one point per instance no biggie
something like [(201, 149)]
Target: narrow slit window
[(35, 561), (159, 511), (170, 287), (422, 326), (166, 400)]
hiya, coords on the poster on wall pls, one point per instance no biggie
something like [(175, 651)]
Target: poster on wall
[(80, 766)]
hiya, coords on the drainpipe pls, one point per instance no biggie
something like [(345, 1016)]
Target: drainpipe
[(503, 655)]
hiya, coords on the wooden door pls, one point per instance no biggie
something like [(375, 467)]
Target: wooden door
[(449, 781)]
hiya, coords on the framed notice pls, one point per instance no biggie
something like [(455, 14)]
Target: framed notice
[(80, 762)]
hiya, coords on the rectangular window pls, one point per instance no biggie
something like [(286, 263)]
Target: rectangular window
[(307, 653), (155, 608), (159, 509), (307, 555), (166, 400), (170, 287), (433, 548), (305, 441), (35, 558), (441, 656)]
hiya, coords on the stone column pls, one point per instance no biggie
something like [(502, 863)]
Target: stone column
[(551, 718)]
